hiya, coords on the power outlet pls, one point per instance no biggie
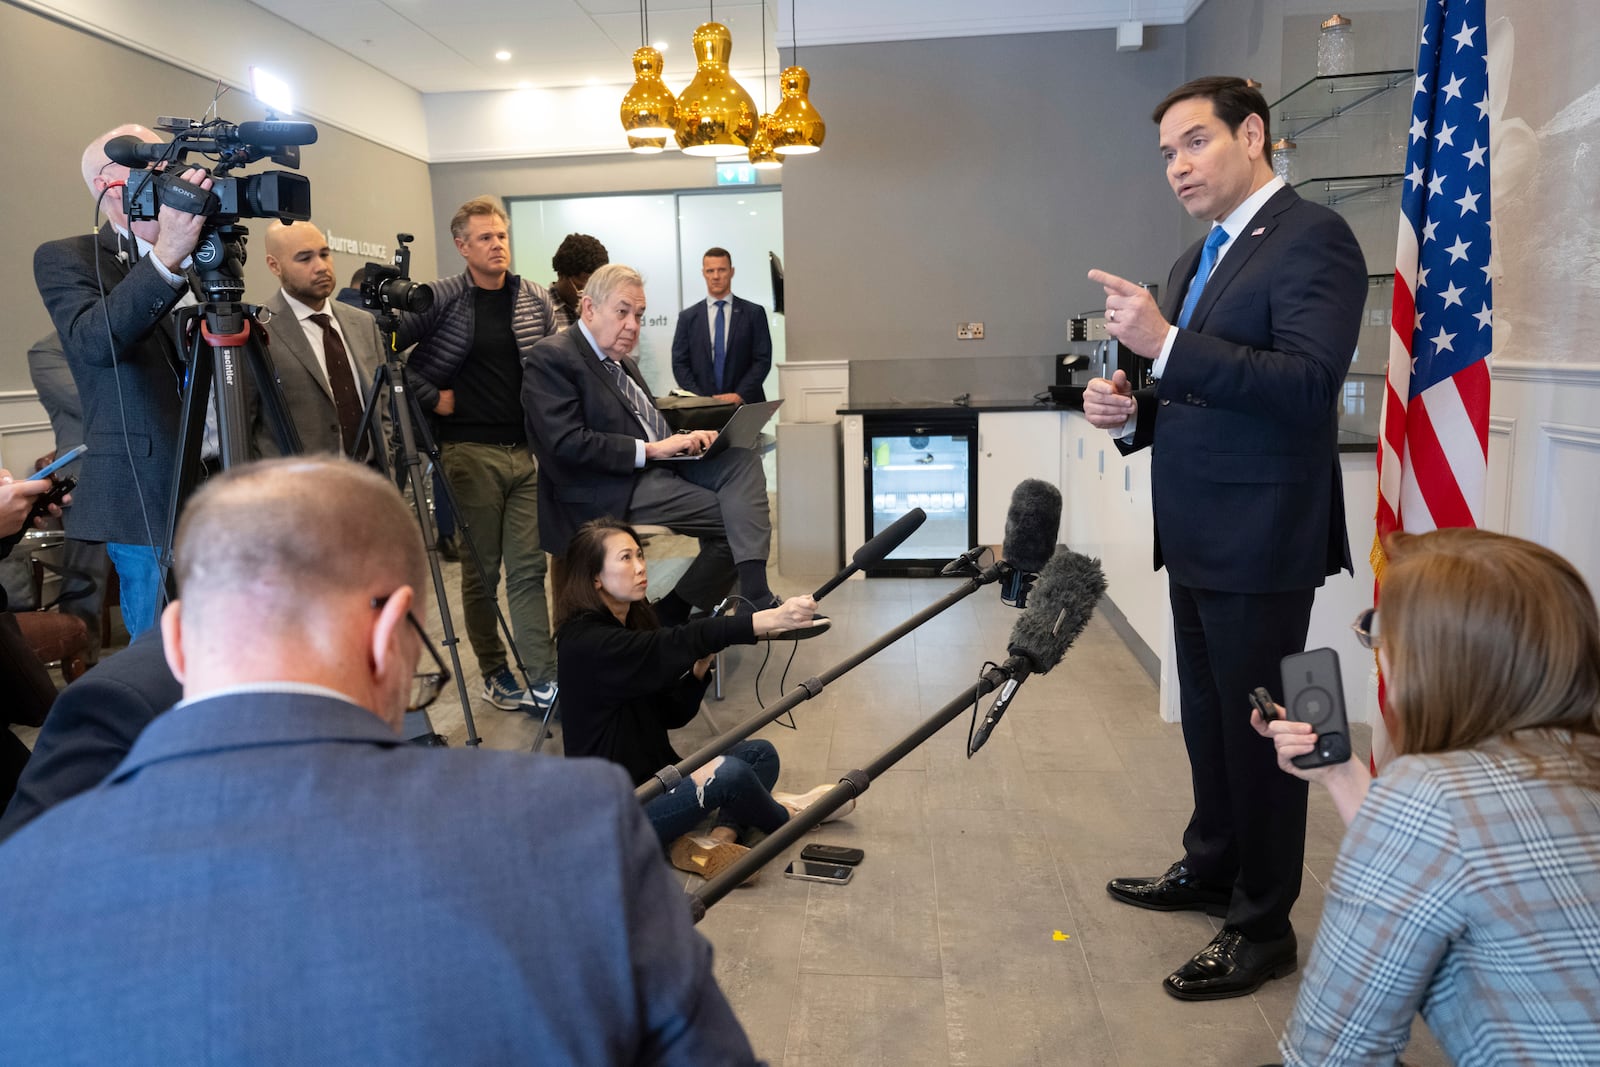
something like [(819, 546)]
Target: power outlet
[(969, 331)]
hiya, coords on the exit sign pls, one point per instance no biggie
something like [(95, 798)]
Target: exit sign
[(735, 174)]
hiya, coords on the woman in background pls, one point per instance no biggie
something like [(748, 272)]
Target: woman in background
[(1468, 883), (625, 681)]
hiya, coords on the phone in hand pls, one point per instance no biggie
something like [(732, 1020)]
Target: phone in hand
[(809, 871), (840, 854), (71, 455), (1313, 692)]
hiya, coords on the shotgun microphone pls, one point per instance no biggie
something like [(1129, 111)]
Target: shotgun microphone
[(1033, 526), (1069, 585), (873, 552)]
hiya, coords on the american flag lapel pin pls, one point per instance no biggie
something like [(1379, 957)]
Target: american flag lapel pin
[(1258, 231)]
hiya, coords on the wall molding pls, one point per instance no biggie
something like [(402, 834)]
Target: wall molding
[(1545, 372)]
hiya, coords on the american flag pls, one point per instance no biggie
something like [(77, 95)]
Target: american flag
[(1433, 449)]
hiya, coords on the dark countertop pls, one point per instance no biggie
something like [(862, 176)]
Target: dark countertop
[(1349, 440)]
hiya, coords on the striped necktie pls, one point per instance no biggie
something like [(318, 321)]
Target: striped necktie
[(644, 409)]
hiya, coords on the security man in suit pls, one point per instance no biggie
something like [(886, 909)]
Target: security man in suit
[(122, 345), (324, 352), (1251, 351), (273, 876), (721, 347)]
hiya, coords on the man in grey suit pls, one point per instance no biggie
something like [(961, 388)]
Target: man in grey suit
[(110, 295), (273, 876), (324, 352)]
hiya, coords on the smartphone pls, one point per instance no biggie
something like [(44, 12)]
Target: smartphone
[(1314, 693), (839, 854), (72, 455), (808, 871)]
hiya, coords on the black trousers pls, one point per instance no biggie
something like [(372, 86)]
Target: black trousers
[(1249, 824)]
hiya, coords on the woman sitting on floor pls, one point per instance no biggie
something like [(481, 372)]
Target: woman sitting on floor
[(625, 681), (1468, 883)]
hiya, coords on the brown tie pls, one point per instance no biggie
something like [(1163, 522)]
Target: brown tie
[(342, 380)]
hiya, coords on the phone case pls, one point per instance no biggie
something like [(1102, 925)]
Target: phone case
[(1313, 692), (839, 854)]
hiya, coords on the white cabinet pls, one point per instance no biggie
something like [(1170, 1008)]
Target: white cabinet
[(1013, 446)]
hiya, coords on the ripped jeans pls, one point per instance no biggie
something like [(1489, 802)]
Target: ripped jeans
[(740, 792)]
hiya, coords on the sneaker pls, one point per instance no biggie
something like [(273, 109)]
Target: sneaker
[(501, 690), (798, 802)]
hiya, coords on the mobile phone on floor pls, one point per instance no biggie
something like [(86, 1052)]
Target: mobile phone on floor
[(840, 854), (809, 871), (1313, 692)]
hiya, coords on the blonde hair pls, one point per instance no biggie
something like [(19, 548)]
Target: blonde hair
[(1487, 635), (478, 206)]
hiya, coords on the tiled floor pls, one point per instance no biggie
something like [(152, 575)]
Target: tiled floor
[(978, 930)]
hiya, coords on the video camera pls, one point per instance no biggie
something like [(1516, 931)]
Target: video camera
[(273, 194), (390, 288)]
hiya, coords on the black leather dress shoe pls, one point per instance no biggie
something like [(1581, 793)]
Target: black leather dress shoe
[(1176, 890), (1232, 966)]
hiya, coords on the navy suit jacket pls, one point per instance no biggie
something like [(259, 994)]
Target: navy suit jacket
[(276, 878), (1245, 479), (143, 354), (582, 431), (748, 355)]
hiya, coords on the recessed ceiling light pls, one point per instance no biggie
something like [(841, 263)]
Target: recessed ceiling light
[(502, 55), (524, 85)]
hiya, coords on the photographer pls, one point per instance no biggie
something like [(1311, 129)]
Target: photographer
[(467, 369), (1466, 885), (125, 356)]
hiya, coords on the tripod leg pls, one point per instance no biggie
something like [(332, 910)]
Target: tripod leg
[(191, 434), (269, 394), (369, 433)]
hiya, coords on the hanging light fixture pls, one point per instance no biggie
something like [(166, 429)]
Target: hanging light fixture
[(647, 110), (762, 157), (647, 146), (715, 116), (797, 129)]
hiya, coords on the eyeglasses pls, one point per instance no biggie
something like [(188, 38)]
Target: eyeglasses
[(425, 686), (1367, 629)]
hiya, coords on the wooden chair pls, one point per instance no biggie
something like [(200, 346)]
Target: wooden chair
[(58, 639)]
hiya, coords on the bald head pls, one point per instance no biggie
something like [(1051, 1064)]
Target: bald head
[(95, 158), (103, 176), (299, 257)]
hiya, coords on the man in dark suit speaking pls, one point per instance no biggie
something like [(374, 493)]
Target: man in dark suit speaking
[(273, 876), (721, 346), (594, 427), (1250, 351)]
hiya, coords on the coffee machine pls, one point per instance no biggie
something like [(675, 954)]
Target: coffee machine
[(1094, 353)]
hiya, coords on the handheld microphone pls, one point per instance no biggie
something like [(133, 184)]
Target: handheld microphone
[(1069, 585), (1033, 526), (873, 552)]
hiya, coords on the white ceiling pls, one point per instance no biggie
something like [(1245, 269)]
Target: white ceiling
[(442, 46)]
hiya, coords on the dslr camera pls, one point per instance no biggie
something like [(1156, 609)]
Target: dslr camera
[(389, 288), (273, 194)]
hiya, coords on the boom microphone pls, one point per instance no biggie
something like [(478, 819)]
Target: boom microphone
[(272, 134), (1033, 526), (1064, 597), (873, 552)]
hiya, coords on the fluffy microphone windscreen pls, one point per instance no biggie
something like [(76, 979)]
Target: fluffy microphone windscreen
[(1033, 525), (1069, 585)]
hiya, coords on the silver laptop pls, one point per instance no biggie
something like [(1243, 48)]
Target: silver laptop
[(742, 430)]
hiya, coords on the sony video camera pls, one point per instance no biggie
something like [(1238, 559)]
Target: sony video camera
[(272, 194), (390, 288)]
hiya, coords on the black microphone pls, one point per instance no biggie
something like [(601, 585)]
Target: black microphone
[(274, 134), (1033, 526), (1064, 597), (872, 553), (130, 152)]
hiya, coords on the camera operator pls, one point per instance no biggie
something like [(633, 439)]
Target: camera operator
[(109, 295), (324, 352), (467, 369)]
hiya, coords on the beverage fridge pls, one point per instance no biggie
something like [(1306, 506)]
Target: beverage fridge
[(928, 462)]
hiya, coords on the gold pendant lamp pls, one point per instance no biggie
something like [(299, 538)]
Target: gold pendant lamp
[(647, 146), (762, 157), (715, 116), (647, 109), (797, 128)]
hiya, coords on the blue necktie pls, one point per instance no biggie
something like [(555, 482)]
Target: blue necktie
[(719, 349), (644, 409), (1208, 259)]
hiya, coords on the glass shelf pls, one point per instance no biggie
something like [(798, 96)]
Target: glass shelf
[(1322, 100), (1333, 191)]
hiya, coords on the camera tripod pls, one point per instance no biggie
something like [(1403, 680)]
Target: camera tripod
[(410, 428)]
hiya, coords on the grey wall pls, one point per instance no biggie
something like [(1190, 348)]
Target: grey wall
[(980, 180), (62, 88), (456, 183)]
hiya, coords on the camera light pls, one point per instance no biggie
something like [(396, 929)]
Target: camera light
[(271, 91)]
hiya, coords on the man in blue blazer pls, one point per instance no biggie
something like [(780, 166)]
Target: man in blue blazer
[(273, 876), (721, 346), (1251, 351)]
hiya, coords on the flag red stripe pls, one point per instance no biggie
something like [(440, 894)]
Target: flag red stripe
[(1435, 478)]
